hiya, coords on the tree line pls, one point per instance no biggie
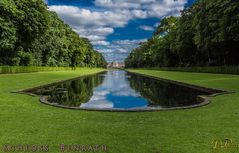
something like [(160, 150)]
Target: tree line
[(206, 34), (31, 35)]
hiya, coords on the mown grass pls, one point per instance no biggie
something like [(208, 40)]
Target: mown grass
[(23, 120), (209, 69)]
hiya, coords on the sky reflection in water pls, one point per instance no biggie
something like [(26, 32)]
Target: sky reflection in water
[(115, 92)]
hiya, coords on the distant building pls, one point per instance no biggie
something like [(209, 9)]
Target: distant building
[(116, 65)]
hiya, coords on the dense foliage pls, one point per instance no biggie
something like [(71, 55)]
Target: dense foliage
[(31, 35), (206, 34), (29, 69)]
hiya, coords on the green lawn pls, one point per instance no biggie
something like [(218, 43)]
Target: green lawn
[(23, 120)]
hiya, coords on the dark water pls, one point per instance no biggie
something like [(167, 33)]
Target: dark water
[(116, 89)]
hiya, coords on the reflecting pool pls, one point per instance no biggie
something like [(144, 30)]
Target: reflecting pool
[(119, 90)]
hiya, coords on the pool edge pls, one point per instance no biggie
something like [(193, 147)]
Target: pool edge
[(205, 98)]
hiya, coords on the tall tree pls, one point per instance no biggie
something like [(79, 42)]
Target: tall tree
[(32, 35), (206, 34)]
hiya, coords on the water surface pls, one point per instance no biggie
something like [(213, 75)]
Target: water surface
[(119, 90)]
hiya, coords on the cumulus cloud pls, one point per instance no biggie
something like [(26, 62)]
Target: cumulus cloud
[(129, 42), (98, 23), (144, 8), (76, 16), (118, 50), (100, 42), (120, 46), (97, 31), (122, 3), (146, 28), (139, 14), (97, 35)]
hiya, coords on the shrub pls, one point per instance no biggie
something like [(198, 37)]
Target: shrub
[(28, 69), (214, 69)]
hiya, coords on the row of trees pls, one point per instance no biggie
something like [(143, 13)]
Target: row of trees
[(31, 35), (206, 34)]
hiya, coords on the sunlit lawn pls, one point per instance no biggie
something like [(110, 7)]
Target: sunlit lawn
[(23, 120)]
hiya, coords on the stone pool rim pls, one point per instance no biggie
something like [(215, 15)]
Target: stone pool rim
[(206, 99)]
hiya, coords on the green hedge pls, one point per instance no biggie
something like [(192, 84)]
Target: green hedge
[(28, 69), (213, 69)]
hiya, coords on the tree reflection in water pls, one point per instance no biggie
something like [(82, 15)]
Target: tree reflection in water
[(164, 94), (72, 93)]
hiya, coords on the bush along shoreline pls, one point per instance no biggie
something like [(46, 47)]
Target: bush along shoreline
[(30, 69)]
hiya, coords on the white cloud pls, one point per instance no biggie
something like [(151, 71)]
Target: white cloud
[(119, 15), (99, 23), (106, 50), (144, 8), (76, 16), (98, 31), (100, 42), (115, 4), (94, 37), (129, 42), (118, 50), (97, 35), (146, 28), (139, 14), (129, 4)]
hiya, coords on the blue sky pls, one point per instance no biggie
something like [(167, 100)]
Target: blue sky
[(115, 27)]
